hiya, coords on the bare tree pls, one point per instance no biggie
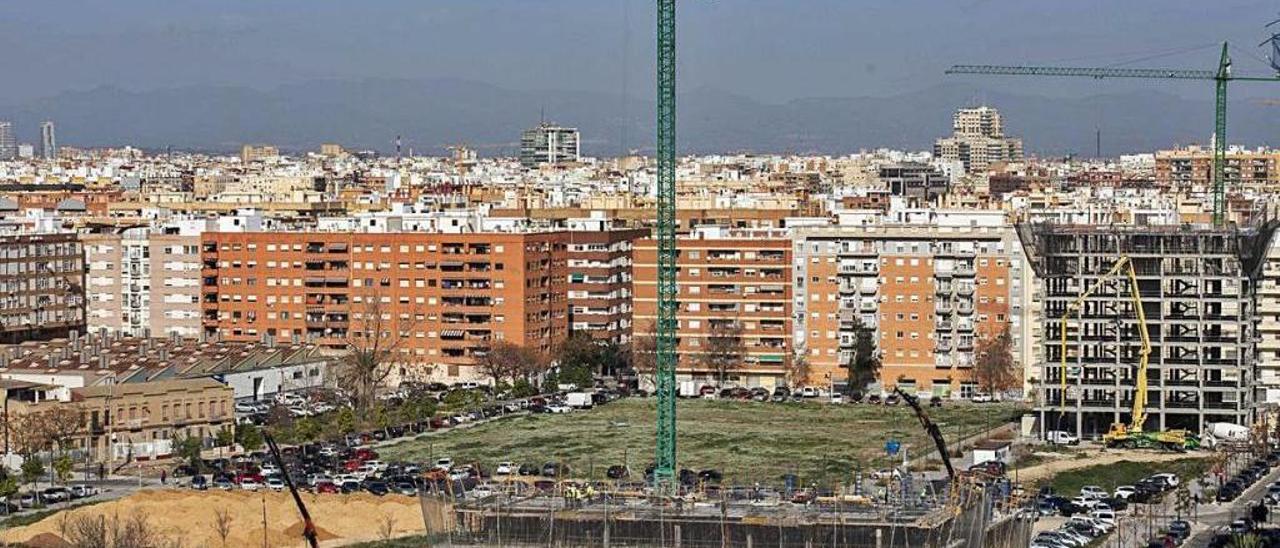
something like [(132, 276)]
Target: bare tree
[(993, 367), (222, 524), (644, 354), (507, 361), (799, 368), (376, 343), (97, 531), (63, 424), (722, 348), (387, 526)]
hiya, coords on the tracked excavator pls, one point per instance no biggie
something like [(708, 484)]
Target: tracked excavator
[(1121, 435)]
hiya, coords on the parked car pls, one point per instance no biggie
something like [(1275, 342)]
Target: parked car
[(505, 468), (1059, 437), (275, 484), (981, 397), (199, 483)]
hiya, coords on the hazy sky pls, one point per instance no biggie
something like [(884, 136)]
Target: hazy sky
[(772, 50)]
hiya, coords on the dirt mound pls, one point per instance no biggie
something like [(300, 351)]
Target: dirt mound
[(193, 517), (47, 540), (322, 535)]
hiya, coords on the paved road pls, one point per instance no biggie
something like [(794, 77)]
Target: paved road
[(1212, 516)]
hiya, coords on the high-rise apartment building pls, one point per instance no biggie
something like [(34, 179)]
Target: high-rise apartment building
[(1197, 288), (8, 141), (254, 153), (548, 144), (48, 141), (929, 294), (978, 140), (41, 286), (732, 284), (443, 298), (600, 279), (143, 282), (1268, 296)]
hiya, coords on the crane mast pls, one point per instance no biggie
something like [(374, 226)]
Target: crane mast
[(665, 347)]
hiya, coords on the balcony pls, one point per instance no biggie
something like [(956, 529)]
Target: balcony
[(964, 271), (942, 289), (964, 308), (944, 345), (942, 307), (943, 324), (964, 290)]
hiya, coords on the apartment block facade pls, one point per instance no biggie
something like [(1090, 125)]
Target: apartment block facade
[(41, 286), (725, 277), (1190, 166), (928, 293), (600, 284), (444, 297), (1268, 298), (1197, 288), (143, 282)]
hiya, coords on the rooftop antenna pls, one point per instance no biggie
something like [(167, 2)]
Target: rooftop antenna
[(397, 147)]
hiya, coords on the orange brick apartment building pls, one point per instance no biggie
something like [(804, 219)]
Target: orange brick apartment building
[(448, 296), (930, 293), (739, 276)]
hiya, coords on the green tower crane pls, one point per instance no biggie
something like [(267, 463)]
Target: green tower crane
[(665, 375), (1220, 77)]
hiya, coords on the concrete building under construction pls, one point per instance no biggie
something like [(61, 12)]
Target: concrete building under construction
[(1197, 288)]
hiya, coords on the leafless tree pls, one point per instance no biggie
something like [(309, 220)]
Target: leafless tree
[(507, 361), (799, 368), (993, 367), (387, 526), (97, 531), (222, 524), (63, 424), (644, 354), (722, 348), (376, 343)]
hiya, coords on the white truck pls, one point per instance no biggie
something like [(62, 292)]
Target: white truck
[(689, 389), (1216, 433), (579, 400)]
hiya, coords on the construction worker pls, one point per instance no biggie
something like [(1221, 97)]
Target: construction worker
[(590, 494)]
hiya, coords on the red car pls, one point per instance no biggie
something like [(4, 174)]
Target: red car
[(239, 478), (365, 454), (326, 487), (352, 465)]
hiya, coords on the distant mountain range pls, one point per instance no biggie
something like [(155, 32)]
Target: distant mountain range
[(432, 114)]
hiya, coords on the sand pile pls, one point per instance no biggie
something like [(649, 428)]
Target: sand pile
[(192, 517)]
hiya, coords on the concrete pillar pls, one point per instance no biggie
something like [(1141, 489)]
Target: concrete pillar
[(675, 532), (749, 543), (879, 538)]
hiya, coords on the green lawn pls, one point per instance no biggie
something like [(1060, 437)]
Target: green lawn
[(747, 441), (1110, 476)]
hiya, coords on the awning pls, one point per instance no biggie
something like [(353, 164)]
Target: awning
[(451, 333), (451, 264), (337, 247), (771, 358), (314, 280)]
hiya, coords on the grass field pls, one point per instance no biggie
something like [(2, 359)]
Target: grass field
[(1125, 472), (746, 441)]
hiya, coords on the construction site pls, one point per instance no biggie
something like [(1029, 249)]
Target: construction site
[(1148, 326)]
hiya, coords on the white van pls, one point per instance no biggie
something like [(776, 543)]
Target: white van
[(579, 400)]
